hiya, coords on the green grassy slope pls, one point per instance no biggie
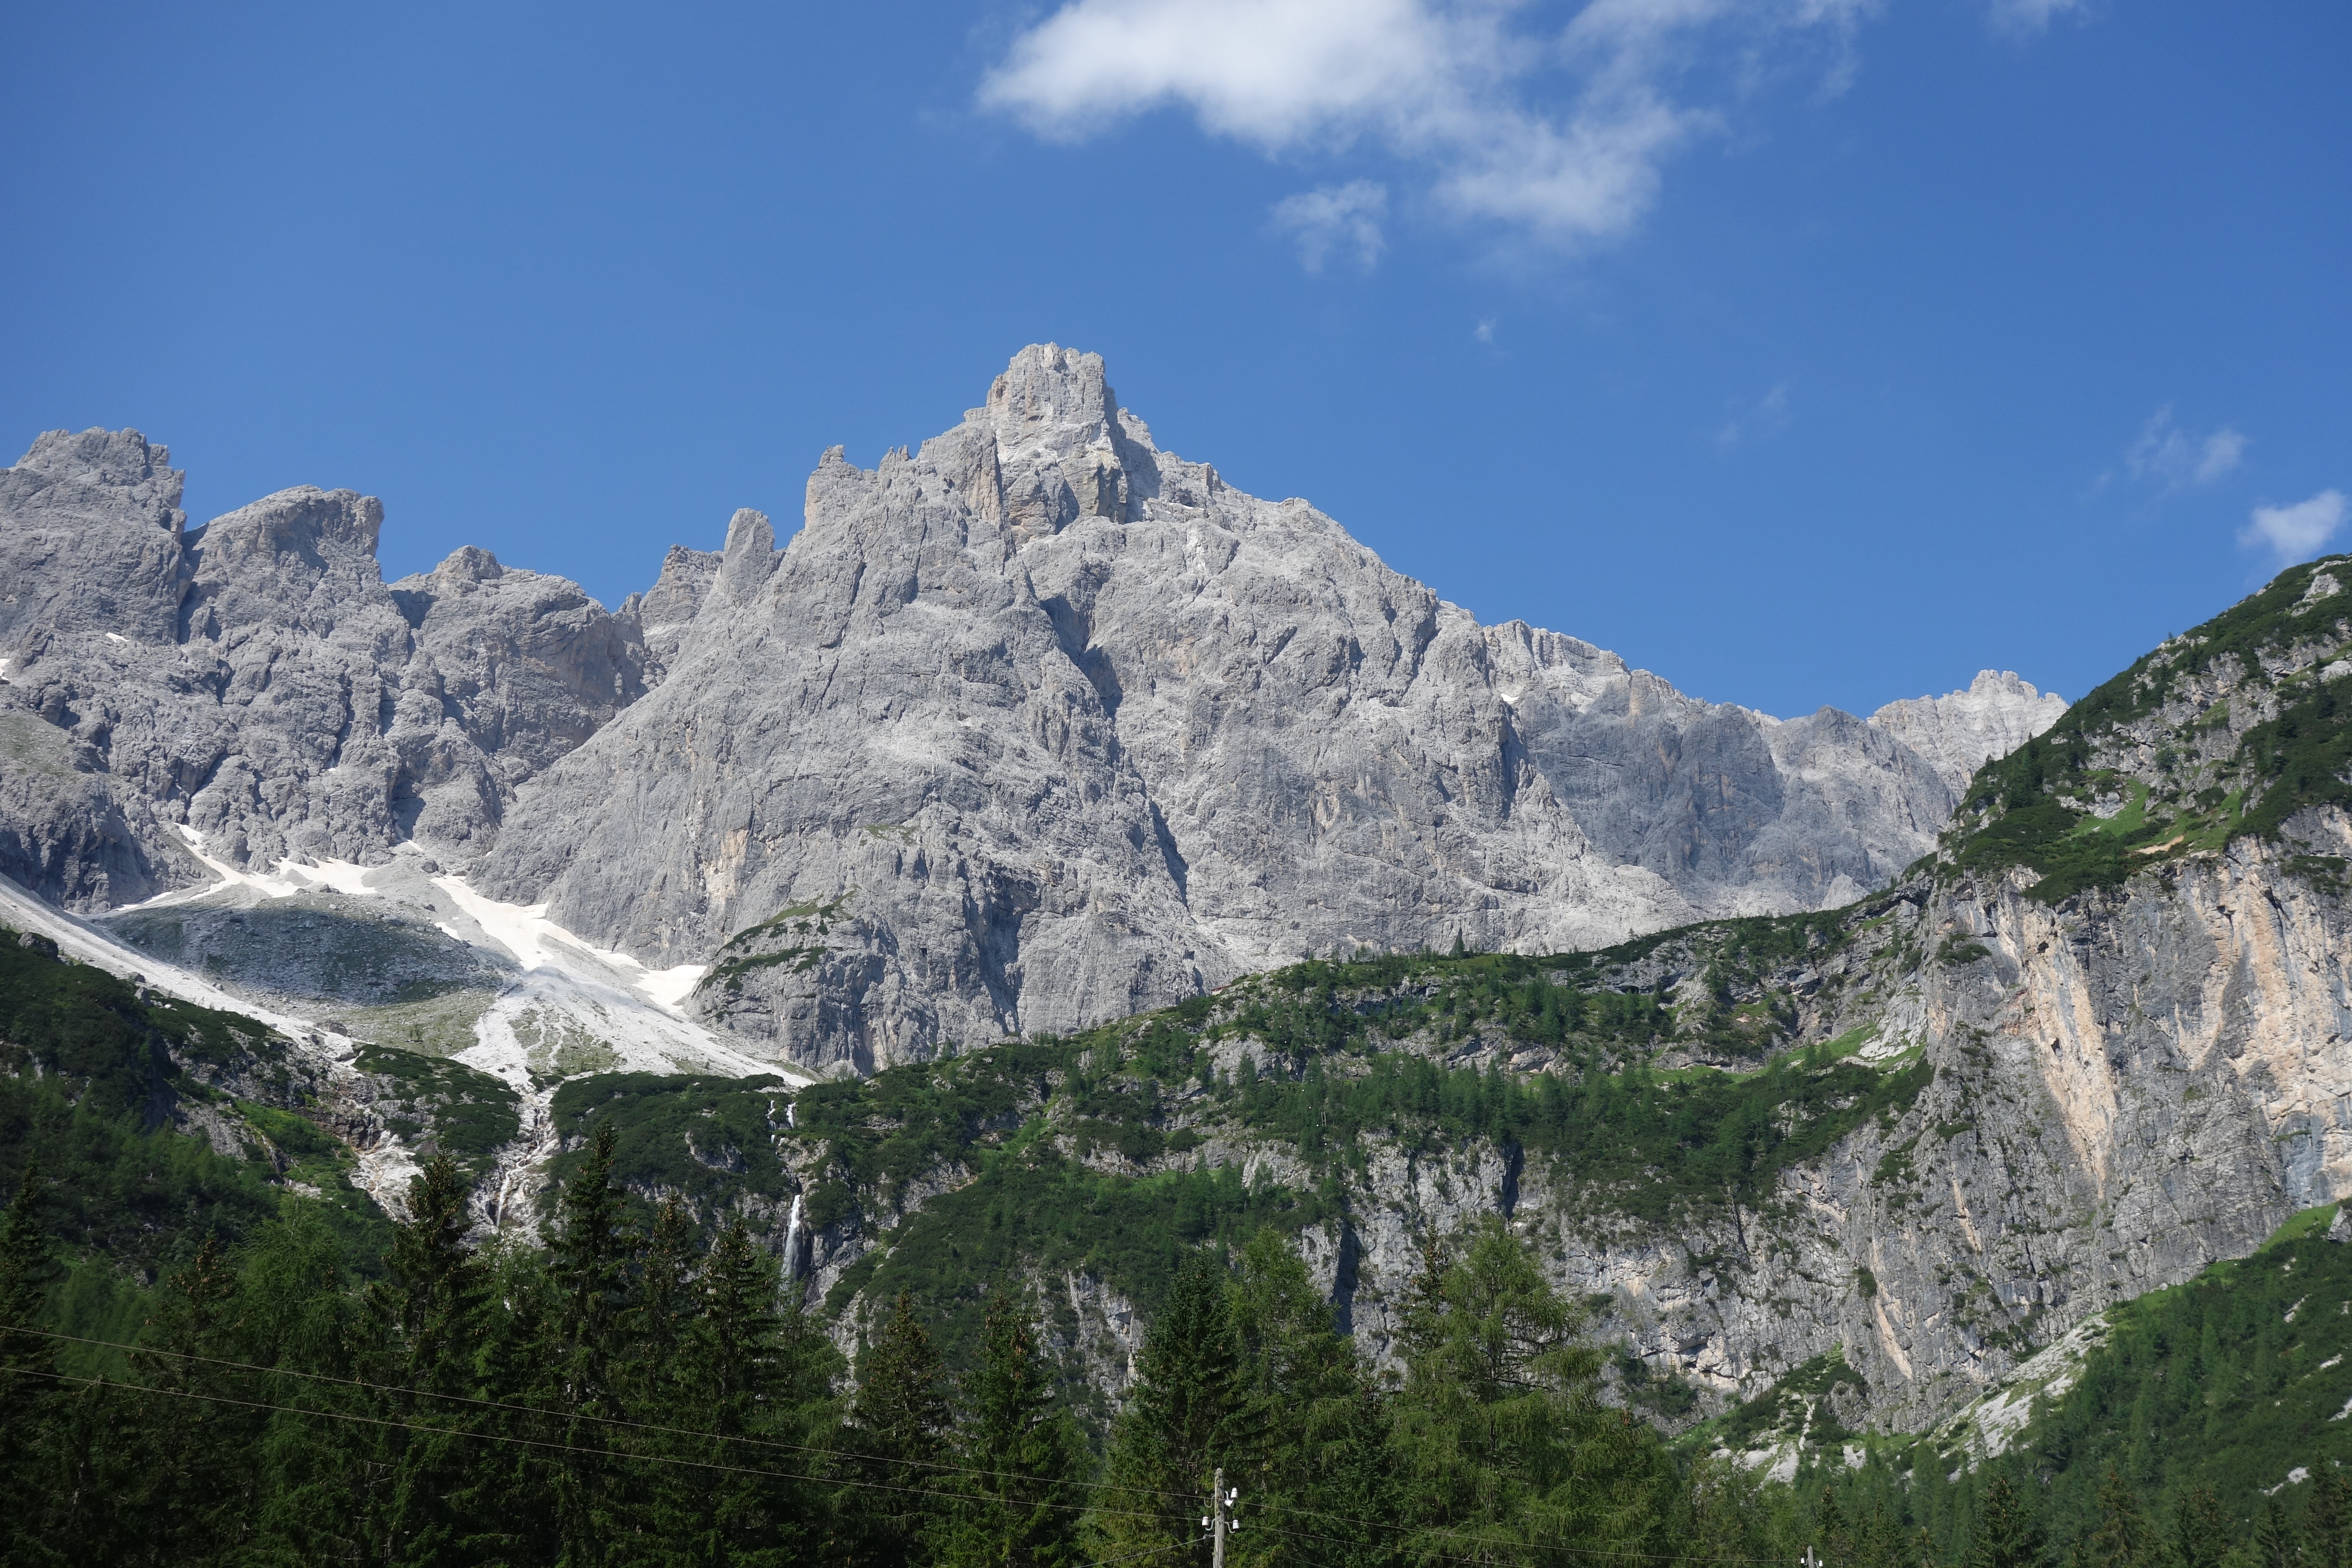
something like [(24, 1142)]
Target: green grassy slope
[(2226, 731)]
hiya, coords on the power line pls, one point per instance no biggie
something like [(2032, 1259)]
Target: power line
[(364, 1384), (556, 1447), (1615, 1554)]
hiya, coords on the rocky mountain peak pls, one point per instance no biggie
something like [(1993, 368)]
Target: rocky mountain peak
[(94, 543), (104, 459), (1994, 715), (1051, 394), (467, 563), (1058, 725)]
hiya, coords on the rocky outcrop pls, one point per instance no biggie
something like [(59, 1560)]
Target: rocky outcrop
[(255, 684), (1997, 714), (1040, 725)]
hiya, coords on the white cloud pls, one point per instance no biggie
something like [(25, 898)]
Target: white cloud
[(2023, 19), (1557, 134), (2218, 454), (1485, 331), (1336, 216), (2172, 457), (2295, 532)]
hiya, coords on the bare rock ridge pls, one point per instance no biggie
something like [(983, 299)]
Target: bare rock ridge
[(254, 682), (1039, 724), (1997, 714), (1033, 726)]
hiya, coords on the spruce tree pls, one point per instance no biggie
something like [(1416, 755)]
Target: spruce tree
[(2326, 1520), (194, 1492), (1016, 1509), (2007, 1535), (1500, 1431), (898, 1418), (1309, 1436), (589, 1269), (29, 1394), (297, 1312), (2201, 1533), (2124, 1538), (429, 1310), (1182, 1420), (754, 1372), (2275, 1545), (654, 1500)]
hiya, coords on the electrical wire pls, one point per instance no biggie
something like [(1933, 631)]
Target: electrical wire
[(542, 1442), (1188, 1497), (1611, 1553)]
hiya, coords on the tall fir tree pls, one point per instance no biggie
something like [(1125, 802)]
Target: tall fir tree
[(297, 1313), (2007, 1533), (899, 1417), (28, 1389), (1309, 1438), (2200, 1531), (760, 1373), (429, 1310), (589, 1269), (2276, 1542), (1183, 1419), (2326, 1520), (2124, 1538), (1016, 1507), (657, 1498), (1501, 1435)]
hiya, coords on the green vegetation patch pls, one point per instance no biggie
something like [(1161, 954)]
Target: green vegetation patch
[(1797, 1406), (2033, 808), (446, 1106), (1637, 1143), (712, 1140), (90, 1078)]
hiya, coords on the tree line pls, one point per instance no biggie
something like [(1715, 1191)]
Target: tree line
[(635, 1394)]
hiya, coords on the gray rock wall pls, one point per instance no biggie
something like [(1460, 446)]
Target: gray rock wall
[(255, 683), (1052, 725)]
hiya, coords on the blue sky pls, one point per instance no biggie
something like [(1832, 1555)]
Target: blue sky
[(1802, 351)]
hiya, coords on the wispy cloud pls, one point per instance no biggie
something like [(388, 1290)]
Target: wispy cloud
[(1559, 134), (2023, 19), (1337, 217), (1766, 418), (1485, 331), (2296, 532), (2166, 455)]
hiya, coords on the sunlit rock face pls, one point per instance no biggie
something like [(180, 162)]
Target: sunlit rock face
[(1039, 724), (257, 684)]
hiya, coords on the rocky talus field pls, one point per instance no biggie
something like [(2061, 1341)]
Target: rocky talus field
[(1049, 857)]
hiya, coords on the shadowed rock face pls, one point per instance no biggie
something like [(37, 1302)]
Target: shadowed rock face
[(1040, 725), (255, 681)]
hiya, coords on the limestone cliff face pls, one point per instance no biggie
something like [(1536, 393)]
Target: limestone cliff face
[(1040, 725), (1036, 726), (254, 682), (2115, 1093)]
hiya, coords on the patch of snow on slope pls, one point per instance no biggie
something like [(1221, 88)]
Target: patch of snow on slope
[(383, 1172), (574, 1009)]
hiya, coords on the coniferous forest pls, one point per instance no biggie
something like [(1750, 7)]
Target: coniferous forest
[(643, 1393), (213, 1358)]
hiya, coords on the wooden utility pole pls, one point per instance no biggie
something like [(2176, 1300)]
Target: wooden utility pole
[(1217, 1517)]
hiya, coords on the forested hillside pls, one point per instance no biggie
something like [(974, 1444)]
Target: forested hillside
[(1731, 1241)]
